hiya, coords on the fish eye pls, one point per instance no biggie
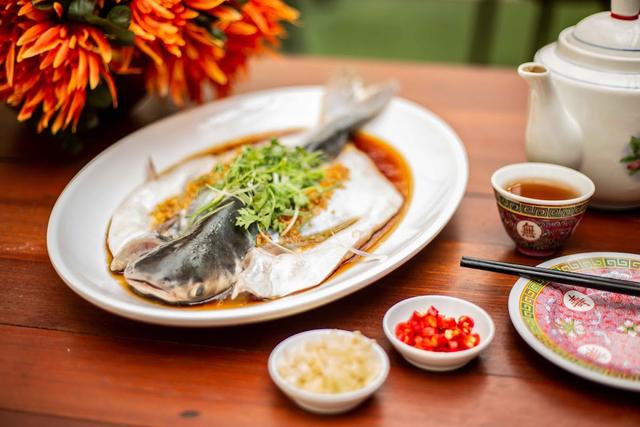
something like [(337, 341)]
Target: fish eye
[(198, 291)]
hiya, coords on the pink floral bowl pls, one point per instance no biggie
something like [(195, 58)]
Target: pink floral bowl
[(540, 227)]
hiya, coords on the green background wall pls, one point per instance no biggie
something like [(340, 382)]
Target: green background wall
[(504, 32)]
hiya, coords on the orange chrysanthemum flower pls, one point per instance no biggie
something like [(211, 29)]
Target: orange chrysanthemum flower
[(259, 29), (49, 64), (52, 56), (185, 56)]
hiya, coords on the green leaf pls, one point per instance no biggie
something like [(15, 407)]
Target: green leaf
[(635, 145), (79, 10), (88, 120), (112, 31), (43, 5), (218, 34), (115, 25), (69, 143), (100, 97), (629, 159), (203, 20), (206, 22), (120, 16)]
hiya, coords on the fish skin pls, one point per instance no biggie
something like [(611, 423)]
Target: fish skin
[(198, 266), (205, 263)]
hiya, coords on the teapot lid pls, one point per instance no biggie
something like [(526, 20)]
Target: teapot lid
[(616, 31), (603, 48)]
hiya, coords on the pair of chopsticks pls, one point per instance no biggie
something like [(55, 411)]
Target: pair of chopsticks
[(608, 284)]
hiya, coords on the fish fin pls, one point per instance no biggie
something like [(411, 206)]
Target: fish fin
[(151, 171)]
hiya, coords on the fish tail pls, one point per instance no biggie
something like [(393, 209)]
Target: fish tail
[(347, 105)]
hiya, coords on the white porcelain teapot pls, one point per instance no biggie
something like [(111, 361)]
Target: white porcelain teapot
[(584, 103)]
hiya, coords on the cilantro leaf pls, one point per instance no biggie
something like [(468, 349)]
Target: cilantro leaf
[(272, 182)]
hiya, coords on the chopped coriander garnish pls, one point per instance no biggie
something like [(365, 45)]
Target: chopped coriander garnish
[(273, 182)]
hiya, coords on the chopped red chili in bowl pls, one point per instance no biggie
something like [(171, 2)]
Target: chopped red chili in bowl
[(433, 331)]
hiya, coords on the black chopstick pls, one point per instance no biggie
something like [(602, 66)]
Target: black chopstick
[(626, 287)]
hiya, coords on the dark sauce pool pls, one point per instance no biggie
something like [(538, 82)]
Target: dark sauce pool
[(390, 163)]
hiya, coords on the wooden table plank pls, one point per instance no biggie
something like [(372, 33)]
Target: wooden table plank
[(30, 419), (158, 383), (64, 361)]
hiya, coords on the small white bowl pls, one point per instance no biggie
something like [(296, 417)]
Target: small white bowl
[(325, 403), (448, 306)]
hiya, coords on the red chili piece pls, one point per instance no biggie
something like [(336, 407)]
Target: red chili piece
[(433, 331)]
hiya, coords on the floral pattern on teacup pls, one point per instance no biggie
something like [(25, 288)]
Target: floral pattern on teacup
[(539, 230)]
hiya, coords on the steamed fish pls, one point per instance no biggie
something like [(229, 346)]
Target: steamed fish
[(367, 201), (270, 221)]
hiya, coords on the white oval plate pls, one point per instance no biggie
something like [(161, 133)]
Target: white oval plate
[(79, 220), (593, 334)]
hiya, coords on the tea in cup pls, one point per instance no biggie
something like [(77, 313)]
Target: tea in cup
[(540, 204)]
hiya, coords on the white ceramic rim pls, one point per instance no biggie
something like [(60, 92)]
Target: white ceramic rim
[(389, 330), (273, 309), (529, 338), (525, 167), (296, 392)]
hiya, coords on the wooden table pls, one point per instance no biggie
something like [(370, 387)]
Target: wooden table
[(66, 362)]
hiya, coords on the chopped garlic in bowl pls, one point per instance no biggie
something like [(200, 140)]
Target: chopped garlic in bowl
[(331, 363), (328, 370)]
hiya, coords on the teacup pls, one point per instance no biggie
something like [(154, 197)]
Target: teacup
[(540, 227)]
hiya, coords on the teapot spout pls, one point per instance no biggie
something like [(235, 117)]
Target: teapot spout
[(553, 135)]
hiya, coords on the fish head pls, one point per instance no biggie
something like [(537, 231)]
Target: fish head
[(199, 266), (156, 277)]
